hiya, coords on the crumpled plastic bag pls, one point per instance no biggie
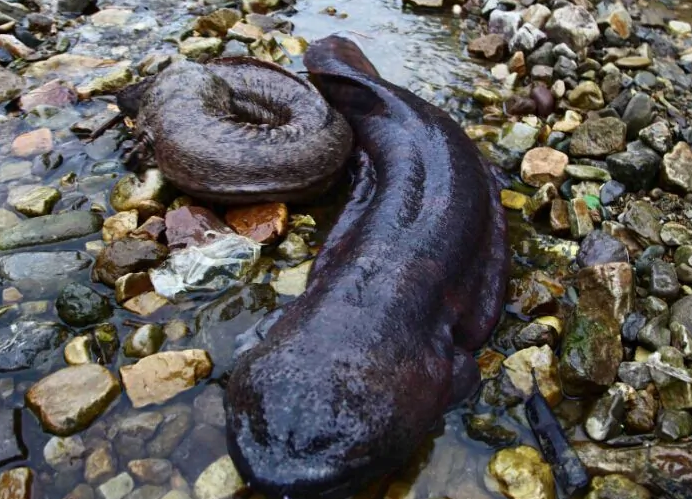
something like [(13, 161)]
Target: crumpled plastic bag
[(218, 265)]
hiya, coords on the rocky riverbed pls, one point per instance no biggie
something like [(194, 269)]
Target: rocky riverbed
[(122, 299)]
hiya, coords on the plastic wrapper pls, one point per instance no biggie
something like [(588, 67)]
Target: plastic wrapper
[(223, 263)]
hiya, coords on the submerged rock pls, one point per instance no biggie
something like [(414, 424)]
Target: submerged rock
[(50, 229), (126, 256), (68, 400), (160, 377), (29, 344), (79, 305)]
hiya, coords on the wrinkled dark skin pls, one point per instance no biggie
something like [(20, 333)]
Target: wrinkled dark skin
[(352, 374), (239, 130)]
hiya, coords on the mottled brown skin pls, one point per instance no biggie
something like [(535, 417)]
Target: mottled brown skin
[(351, 375), (239, 130)]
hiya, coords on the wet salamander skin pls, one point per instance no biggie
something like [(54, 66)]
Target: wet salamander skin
[(352, 374), (240, 130)]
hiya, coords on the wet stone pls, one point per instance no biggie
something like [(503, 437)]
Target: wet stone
[(11, 444), (68, 400), (545, 102), (29, 344), (559, 216), (79, 305), (50, 229), (219, 480), (81, 491), (33, 143), (526, 38), (65, 453), (149, 193), (151, 471), (145, 304), (643, 219), (504, 23), (611, 191), (194, 47), (605, 418), (674, 393), (586, 96), (635, 374), (579, 218), (599, 137), (126, 256), (543, 363), (100, 465), (16, 483), (33, 201), (655, 334), (176, 424), (119, 225), (638, 114), (263, 223), (616, 486), (145, 340), (518, 105), (116, 488), (676, 171), (520, 472), (673, 425), (598, 248), (160, 377), (641, 413), (637, 167), (11, 85), (208, 407), (664, 280), (131, 285), (586, 172), (147, 492), (218, 22), (536, 335), (193, 226), (491, 47), (78, 351), (200, 447), (42, 265), (542, 165)]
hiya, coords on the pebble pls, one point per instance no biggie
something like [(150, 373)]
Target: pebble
[(664, 281), (643, 218), (543, 364), (132, 285), (217, 23), (599, 248), (491, 47), (675, 234), (194, 47), (160, 377), (637, 167), (513, 200), (148, 193), (208, 407), (145, 304), (559, 216), (579, 218), (65, 453), (16, 483), (101, 465), (119, 226), (78, 351), (676, 168), (505, 23), (587, 95), (673, 425), (12, 447), (68, 400), (638, 114), (264, 223), (117, 487), (50, 229), (126, 256), (679, 28), (604, 420), (33, 143), (520, 472), (611, 191), (526, 38), (29, 344), (537, 15), (144, 341), (33, 201), (634, 374), (151, 470), (599, 137), (616, 486), (543, 97), (542, 165), (586, 172), (572, 25), (219, 481), (79, 305), (177, 422)]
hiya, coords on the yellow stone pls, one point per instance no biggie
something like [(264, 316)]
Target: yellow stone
[(520, 473), (145, 304), (550, 320), (513, 200), (543, 362)]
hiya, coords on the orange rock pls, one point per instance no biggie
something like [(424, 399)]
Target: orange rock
[(262, 222), (32, 143)]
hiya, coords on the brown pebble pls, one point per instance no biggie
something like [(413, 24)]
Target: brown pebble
[(545, 102), (491, 47), (264, 223), (517, 105)]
